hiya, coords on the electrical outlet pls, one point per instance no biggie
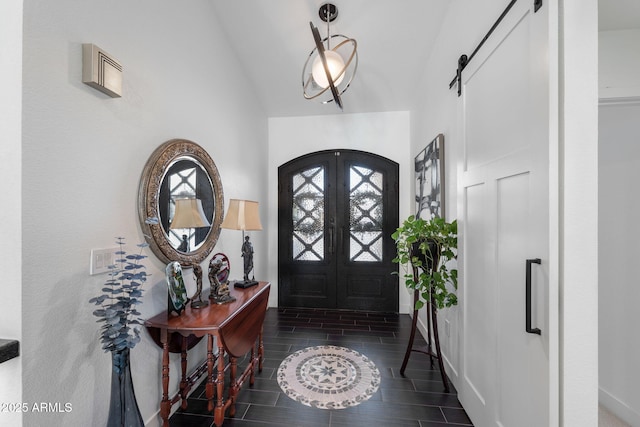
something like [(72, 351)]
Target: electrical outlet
[(447, 327), (101, 259)]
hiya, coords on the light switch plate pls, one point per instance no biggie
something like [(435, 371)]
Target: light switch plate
[(101, 259)]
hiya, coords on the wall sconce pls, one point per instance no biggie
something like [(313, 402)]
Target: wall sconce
[(329, 69), (101, 71)]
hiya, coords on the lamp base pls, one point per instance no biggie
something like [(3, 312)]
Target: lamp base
[(245, 284)]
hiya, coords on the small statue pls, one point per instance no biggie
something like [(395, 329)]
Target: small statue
[(177, 299), (224, 292), (219, 292), (214, 268), (184, 245), (196, 301), (247, 254)]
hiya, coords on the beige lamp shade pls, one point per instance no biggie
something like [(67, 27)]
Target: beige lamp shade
[(189, 214), (242, 215)]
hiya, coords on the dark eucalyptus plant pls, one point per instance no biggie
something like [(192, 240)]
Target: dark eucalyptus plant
[(121, 293), (429, 246)]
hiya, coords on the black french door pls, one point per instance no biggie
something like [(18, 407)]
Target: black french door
[(336, 212)]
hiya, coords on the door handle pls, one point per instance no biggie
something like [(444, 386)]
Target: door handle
[(528, 297), (331, 233)]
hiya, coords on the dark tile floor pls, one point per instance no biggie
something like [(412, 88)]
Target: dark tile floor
[(414, 400)]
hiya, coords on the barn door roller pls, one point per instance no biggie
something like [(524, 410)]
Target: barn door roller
[(464, 60)]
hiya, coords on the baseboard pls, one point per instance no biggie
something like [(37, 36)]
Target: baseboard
[(619, 101), (618, 407), (422, 328), (452, 373), (155, 420)]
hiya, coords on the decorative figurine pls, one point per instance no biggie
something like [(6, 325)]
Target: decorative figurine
[(184, 245), (177, 299), (223, 274), (220, 292), (247, 254), (196, 301)]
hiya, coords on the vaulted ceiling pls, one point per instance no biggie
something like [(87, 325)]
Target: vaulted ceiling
[(272, 40)]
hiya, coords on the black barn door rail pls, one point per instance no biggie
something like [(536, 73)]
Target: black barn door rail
[(464, 60)]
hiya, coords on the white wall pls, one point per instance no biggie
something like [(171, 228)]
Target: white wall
[(619, 90), (619, 205), (10, 216), (619, 64), (578, 233), (385, 134), (83, 154)]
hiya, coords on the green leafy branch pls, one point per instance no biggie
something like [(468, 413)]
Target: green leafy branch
[(429, 246), (121, 293)]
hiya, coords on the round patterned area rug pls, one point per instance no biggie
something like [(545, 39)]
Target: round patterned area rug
[(328, 377)]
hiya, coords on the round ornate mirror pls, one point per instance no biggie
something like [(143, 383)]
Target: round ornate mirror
[(181, 187)]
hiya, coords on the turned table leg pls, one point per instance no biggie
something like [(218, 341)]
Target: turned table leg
[(165, 404), (233, 385), (260, 349), (218, 415), (253, 363), (209, 383), (183, 382)]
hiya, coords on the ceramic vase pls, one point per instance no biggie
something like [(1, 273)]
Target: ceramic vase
[(123, 408)]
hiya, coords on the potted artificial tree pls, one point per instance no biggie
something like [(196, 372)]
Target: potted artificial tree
[(428, 246), (120, 331)]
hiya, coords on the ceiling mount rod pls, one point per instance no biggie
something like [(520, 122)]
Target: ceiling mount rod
[(464, 60), (328, 12)]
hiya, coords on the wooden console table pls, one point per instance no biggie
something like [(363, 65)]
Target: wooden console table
[(237, 326)]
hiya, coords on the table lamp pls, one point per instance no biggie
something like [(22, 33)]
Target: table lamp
[(189, 214), (244, 215)]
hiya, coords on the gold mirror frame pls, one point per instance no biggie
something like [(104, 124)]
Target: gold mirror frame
[(149, 194)]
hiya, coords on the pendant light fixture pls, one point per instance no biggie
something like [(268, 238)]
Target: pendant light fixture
[(332, 64)]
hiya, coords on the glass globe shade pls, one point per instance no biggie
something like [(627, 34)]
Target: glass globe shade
[(335, 63)]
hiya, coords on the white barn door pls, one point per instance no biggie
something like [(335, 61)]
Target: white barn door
[(504, 180)]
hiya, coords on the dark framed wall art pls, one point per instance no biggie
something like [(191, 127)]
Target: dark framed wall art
[(429, 170)]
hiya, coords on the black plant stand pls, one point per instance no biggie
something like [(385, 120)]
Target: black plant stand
[(432, 318)]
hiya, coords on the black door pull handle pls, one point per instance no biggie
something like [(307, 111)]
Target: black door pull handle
[(331, 243), (528, 297)]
